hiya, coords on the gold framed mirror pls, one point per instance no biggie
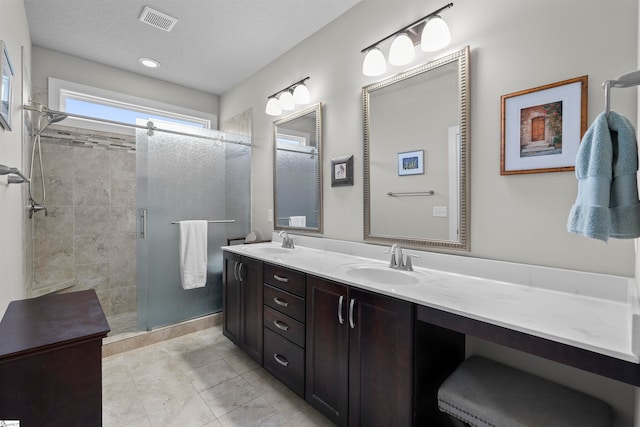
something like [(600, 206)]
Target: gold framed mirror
[(416, 155)]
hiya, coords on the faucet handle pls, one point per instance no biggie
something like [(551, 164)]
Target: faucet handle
[(407, 264)]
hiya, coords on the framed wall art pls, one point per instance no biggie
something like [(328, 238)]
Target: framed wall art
[(541, 128), (411, 163), (6, 85), (342, 171)]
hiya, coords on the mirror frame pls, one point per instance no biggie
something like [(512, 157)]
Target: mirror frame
[(317, 108), (462, 57)]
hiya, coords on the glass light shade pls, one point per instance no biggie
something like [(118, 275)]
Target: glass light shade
[(435, 35), (273, 107), (286, 101), (374, 63), (301, 94), (402, 51)]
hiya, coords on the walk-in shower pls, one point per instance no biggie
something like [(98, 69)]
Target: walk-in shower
[(97, 187)]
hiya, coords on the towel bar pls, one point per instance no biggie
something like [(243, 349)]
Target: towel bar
[(218, 221), (412, 193)]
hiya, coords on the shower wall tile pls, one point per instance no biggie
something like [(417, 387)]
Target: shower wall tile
[(57, 223), (123, 165), (123, 300), (91, 191), (123, 273), (57, 160), (123, 192), (59, 190), (92, 163), (53, 253), (92, 276), (104, 296), (91, 249), (123, 246), (123, 220), (90, 220)]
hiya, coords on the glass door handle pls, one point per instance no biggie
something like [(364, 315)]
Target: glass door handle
[(143, 225)]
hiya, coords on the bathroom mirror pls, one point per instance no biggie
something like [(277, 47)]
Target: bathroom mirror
[(297, 171), (416, 155)]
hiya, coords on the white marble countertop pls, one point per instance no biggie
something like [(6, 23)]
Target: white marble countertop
[(594, 312)]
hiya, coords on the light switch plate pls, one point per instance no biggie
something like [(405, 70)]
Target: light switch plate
[(439, 211), (269, 215)]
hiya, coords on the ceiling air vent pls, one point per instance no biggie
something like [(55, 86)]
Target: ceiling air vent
[(157, 19)]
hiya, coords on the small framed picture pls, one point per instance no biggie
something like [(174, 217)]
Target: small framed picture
[(342, 171), (541, 128), (6, 80), (411, 163)]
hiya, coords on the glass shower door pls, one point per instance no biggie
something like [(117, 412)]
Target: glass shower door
[(186, 178)]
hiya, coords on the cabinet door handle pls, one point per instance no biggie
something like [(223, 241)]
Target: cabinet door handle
[(281, 325), (280, 359), (240, 268), (280, 278), (340, 318), (351, 304), (235, 270), (281, 302)]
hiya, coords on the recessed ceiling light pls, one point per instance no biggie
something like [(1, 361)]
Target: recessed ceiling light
[(148, 62)]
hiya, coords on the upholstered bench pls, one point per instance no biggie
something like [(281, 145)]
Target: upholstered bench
[(485, 393)]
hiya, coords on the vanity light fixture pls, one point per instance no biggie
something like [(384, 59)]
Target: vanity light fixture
[(148, 62), (434, 36), (286, 99)]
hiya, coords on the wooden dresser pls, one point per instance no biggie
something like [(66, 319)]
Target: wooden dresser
[(51, 360)]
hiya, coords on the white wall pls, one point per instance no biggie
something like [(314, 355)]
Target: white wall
[(49, 63), (515, 45), (15, 33)]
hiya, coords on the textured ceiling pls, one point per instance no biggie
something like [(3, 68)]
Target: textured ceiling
[(215, 45)]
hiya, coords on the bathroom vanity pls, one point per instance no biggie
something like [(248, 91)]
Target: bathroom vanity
[(51, 360), (373, 344)]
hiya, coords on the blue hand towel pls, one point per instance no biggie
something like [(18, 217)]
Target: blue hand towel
[(607, 204)]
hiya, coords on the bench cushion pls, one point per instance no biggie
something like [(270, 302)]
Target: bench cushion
[(482, 392)]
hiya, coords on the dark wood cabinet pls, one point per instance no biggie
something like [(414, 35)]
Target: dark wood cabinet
[(242, 303), (359, 355), (284, 325), (51, 360), (327, 348)]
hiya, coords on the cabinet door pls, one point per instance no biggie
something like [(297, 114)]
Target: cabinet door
[(231, 297), (327, 340), (250, 275), (380, 360)]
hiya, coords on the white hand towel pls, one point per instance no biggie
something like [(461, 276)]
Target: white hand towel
[(298, 221), (193, 254)]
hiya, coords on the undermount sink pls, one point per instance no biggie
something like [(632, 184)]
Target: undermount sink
[(268, 250), (382, 274)]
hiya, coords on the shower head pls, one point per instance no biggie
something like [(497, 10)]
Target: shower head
[(55, 117), (52, 117)]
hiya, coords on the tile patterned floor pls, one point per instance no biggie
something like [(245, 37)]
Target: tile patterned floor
[(197, 380)]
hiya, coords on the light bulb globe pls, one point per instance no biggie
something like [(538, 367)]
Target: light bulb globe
[(435, 35), (402, 51), (273, 107), (374, 63), (301, 95)]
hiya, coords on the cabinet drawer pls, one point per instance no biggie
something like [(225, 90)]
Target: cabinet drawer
[(283, 278), (284, 325), (284, 302), (284, 360)]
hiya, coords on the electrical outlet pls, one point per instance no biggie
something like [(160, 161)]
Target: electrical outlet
[(439, 211), (269, 215)]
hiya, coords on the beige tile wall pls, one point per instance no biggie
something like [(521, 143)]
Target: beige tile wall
[(88, 239)]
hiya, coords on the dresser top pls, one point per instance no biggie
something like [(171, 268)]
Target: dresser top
[(37, 324)]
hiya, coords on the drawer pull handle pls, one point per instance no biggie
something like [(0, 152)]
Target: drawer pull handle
[(340, 318), (281, 302), (280, 278), (351, 304), (280, 359), (281, 325)]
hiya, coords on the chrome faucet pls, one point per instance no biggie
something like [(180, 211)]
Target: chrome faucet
[(398, 260), (287, 242), (36, 208)]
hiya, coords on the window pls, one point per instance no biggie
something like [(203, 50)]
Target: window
[(88, 101)]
